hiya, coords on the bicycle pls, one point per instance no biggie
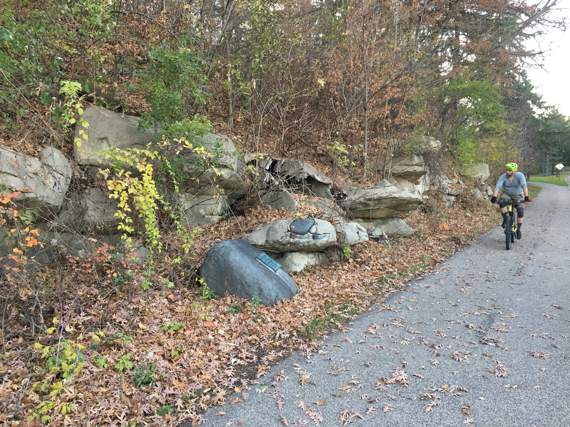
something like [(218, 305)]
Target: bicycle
[(511, 224)]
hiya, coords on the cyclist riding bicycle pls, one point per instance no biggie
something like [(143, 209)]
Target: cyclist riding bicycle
[(514, 187)]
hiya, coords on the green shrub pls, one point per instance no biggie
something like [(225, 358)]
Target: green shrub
[(146, 375), (174, 81)]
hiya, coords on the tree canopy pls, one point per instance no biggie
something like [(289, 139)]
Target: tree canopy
[(293, 76)]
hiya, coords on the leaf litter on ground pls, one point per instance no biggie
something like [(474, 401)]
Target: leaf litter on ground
[(201, 348)]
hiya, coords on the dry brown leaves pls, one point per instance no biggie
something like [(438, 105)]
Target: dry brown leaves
[(197, 363)]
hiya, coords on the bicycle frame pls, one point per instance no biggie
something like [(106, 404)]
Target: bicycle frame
[(511, 223)]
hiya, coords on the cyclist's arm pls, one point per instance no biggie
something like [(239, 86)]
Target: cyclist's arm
[(499, 185), (523, 185)]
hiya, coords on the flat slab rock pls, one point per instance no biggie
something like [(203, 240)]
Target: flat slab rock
[(277, 237), (411, 167), (384, 201), (279, 199), (47, 178), (233, 267), (389, 225), (352, 233), (294, 262)]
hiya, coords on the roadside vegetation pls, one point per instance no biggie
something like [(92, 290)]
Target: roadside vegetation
[(553, 179), (173, 350), (345, 85)]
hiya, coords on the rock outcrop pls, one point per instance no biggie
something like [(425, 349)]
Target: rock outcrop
[(278, 199), (107, 129), (479, 171), (296, 173), (46, 179), (278, 238), (384, 201), (411, 168), (90, 211), (206, 196), (352, 233), (390, 226), (294, 262)]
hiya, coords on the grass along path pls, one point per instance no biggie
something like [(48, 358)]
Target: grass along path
[(550, 180)]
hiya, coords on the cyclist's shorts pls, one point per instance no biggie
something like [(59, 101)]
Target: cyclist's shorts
[(509, 198)]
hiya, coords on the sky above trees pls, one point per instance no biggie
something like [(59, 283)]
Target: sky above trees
[(552, 80)]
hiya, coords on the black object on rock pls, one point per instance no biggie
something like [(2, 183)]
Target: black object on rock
[(301, 226), (238, 268)]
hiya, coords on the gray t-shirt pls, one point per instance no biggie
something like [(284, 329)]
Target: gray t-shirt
[(514, 188)]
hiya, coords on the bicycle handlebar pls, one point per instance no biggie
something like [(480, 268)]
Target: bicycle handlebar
[(520, 202)]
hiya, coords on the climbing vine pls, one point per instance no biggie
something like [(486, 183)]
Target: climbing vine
[(138, 194)]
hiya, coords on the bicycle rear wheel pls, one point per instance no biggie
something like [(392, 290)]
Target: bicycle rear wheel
[(508, 231)]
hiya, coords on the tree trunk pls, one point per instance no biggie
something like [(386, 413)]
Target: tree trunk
[(387, 159), (365, 153), (231, 111)]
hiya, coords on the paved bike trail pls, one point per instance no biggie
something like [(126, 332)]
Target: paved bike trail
[(483, 341)]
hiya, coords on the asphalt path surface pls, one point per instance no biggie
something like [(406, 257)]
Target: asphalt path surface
[(482, 341)]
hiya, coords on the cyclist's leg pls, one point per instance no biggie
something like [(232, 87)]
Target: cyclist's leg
[(520, 214), (520, 217), (519, 208), (503, 199)]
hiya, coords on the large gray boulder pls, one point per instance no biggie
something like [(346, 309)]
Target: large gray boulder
[(296, 173), (107, 129), (480, 171), (411, 168), (47, 178), (352, 233), (54, 244), (89, 211), (384, 201), (233, 267), (211, 182), (221, 147), (202, 209), (295, 262), (279, 199), (389, 226), (418, 145), (277, 238)]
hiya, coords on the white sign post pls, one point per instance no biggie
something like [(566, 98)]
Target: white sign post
[(559, 166)]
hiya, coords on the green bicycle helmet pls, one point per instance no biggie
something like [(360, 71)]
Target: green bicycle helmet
[(511, 167)]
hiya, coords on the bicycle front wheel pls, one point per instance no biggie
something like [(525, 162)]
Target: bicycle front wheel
[(508, 231)]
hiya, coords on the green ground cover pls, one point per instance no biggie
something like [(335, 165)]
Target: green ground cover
[(550, 180)]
